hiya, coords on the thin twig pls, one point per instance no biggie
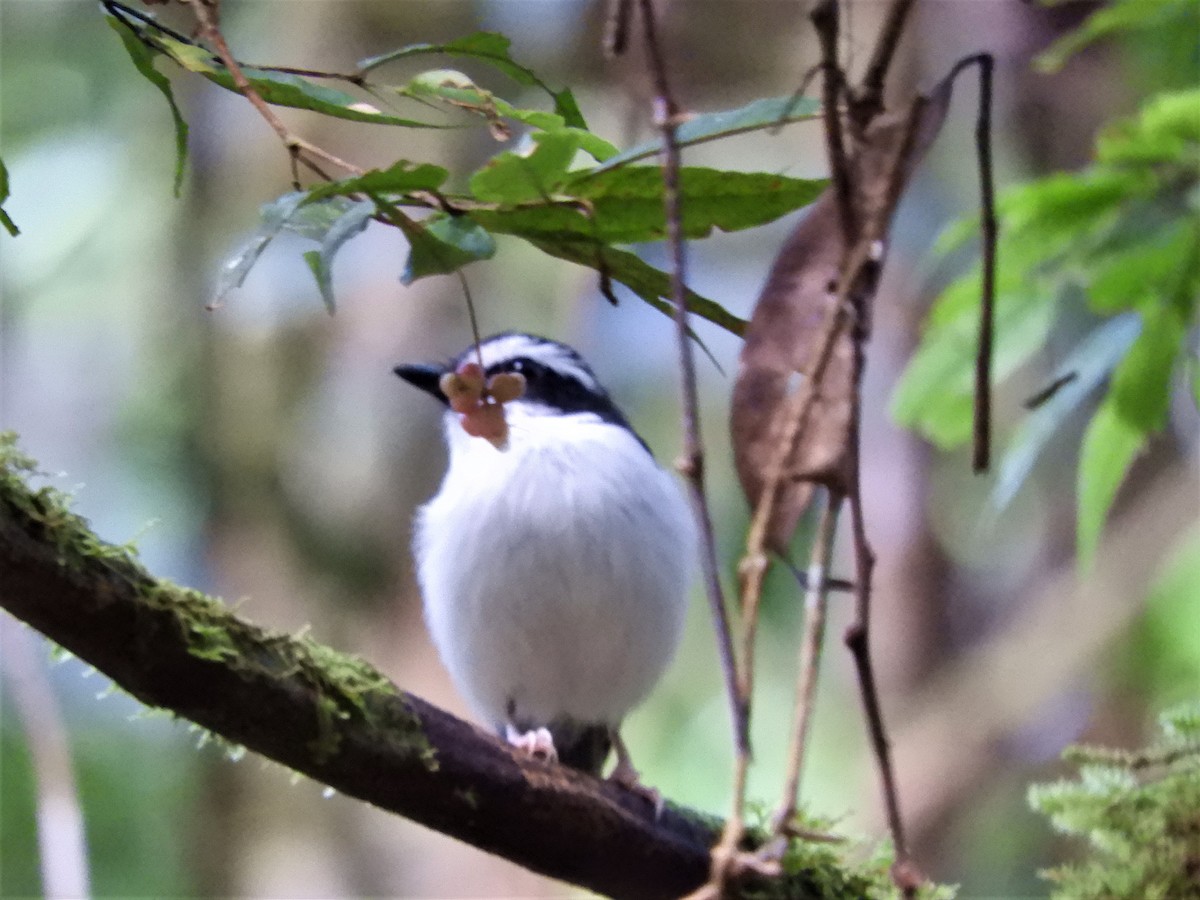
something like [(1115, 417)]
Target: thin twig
[(857, 640), (824, 17), (869, 100), (987, 311), (209, 30), (666, 112), (816, 602), (616, 27)]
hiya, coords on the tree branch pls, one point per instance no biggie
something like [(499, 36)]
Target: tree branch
[(339, 721)]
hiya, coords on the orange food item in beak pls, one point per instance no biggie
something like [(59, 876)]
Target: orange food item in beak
[(480, 403)]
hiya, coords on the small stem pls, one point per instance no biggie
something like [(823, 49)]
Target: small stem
[(209, 30), (816, 603), (824, 17), (692, 465), (870, 94)]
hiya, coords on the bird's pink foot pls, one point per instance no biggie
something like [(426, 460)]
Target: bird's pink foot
[(537, 742)]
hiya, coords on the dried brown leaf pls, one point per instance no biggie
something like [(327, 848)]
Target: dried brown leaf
[(797, 314)]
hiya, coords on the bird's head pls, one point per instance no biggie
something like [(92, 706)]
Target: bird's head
[(513, 374)]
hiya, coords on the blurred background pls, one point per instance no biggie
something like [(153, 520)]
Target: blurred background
[(263, 451)]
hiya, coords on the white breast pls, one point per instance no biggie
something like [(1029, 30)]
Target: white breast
[(555, 573)]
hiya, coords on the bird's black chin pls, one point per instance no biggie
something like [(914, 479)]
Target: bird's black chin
[(425, 378)]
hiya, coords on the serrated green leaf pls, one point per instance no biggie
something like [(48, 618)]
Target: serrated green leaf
[(758, 115), (442, 244), (625, 206), (493, 49), (351, 222), (511, 178), (627, 203), (1110, 445), (649, 283), (9, 225), (143, 59), (1090, 363), (278, 88), (399, 178)]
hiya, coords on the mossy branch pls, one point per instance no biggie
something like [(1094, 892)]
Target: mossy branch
[(339, 721)]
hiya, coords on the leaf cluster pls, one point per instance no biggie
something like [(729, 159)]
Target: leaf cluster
[(1124, 235), (1138, 812), (562, 188)]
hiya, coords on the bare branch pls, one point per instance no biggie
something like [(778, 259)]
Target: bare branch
[(666, 112), (331, 717), (210, 31)]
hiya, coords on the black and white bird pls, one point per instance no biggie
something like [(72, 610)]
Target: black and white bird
[(555, 559)]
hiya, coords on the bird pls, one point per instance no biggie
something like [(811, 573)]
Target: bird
[(556, 557)]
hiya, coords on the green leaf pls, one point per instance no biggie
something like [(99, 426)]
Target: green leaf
[(1110, 445), (1090, 363), (279, 88), (649, 283), (492, 49), (511, 178), (9, 225), (442, 244), (1123, 274), (627, 203), (935, 395), (456, 90), (350, 223), (1117, 16), (1141, 385), (1166, 130), (625, 206), (143, 58), (402, 177), (758, 115)]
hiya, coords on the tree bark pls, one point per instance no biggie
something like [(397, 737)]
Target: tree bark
[(335, 718)]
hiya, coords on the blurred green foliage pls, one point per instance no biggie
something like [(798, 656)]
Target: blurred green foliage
[(1139, 813), (1125, 234)]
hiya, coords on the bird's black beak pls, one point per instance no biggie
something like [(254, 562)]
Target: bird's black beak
[(424, 377)]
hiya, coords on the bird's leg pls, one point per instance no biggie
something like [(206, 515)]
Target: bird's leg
[(537, 742), (627, 776)]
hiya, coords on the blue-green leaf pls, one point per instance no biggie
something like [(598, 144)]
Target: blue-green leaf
[(351, 222), (758, 115), (143, 58), (1089, 364), (274, 216)]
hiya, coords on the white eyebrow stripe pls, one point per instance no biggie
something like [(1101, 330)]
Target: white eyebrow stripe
[(551, 355)]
